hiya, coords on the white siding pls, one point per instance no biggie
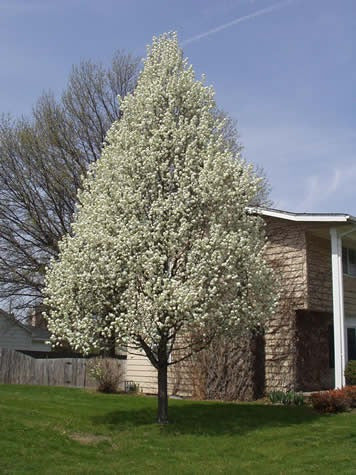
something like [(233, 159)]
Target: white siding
[(140, 371)]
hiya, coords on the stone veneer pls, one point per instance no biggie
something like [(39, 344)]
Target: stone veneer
[(286, 252), (319, 274), (320, 279), (297, 337), (228, 370), (314, 371)]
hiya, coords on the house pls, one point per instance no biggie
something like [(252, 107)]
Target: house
[(18, 336), (312, 335)]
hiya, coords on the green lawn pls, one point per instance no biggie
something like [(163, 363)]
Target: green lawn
[(68, 431)]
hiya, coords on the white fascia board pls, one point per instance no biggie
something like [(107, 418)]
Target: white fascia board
[(303, 217)]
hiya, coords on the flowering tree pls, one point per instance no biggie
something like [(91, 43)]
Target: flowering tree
[(164, 254)]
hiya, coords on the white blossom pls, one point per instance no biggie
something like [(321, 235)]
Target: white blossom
[(162, 243)]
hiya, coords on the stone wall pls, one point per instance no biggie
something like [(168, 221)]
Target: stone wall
[(296, 337), (319, 274), (350, 295), (313, 351), (287, 254), (230, 369), (320, 278), (297, 343)]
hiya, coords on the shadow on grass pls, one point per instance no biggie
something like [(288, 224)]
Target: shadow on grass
[(212, 418)]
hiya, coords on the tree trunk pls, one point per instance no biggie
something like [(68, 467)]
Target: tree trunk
[(162, 395)]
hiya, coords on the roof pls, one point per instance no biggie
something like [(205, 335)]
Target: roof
[(304, 217), (14, 320), (37, 333)]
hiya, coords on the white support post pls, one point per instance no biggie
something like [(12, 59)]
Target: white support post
[(338, 307)]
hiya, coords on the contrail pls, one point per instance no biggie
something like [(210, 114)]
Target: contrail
[(263, 11)]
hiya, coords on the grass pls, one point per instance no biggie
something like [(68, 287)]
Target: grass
[(46, 430)]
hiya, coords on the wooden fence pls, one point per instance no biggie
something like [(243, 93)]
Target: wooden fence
[(17, 368)]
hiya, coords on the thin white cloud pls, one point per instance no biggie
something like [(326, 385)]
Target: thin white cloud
[(310, 168), (236, 21), (322, 189)]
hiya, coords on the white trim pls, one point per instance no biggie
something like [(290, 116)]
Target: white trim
[(303, 217), (338, 307)]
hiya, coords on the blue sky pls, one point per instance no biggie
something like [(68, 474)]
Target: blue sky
[(285, 70)]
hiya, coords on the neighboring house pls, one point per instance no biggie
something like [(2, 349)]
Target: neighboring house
[(312, 335), (17, 336)]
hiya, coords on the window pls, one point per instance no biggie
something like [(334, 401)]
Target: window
[(351, 344), (349, 261)]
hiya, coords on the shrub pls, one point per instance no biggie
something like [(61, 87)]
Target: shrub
[(131, 387), (350, 372), (107, 373), (298, 399), (287, 398), (351, 393), (337, 400), (276, 397)]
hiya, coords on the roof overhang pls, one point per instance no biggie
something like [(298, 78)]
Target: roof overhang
[(40, 340), (304, 217)]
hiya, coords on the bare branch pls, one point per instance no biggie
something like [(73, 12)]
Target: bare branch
[(42, 162)]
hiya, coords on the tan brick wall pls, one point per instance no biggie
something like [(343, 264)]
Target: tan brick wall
[(232, 370), (350, 295), (313, 351), (319, 274), (302, 263), (287, 254), (320, 278)]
